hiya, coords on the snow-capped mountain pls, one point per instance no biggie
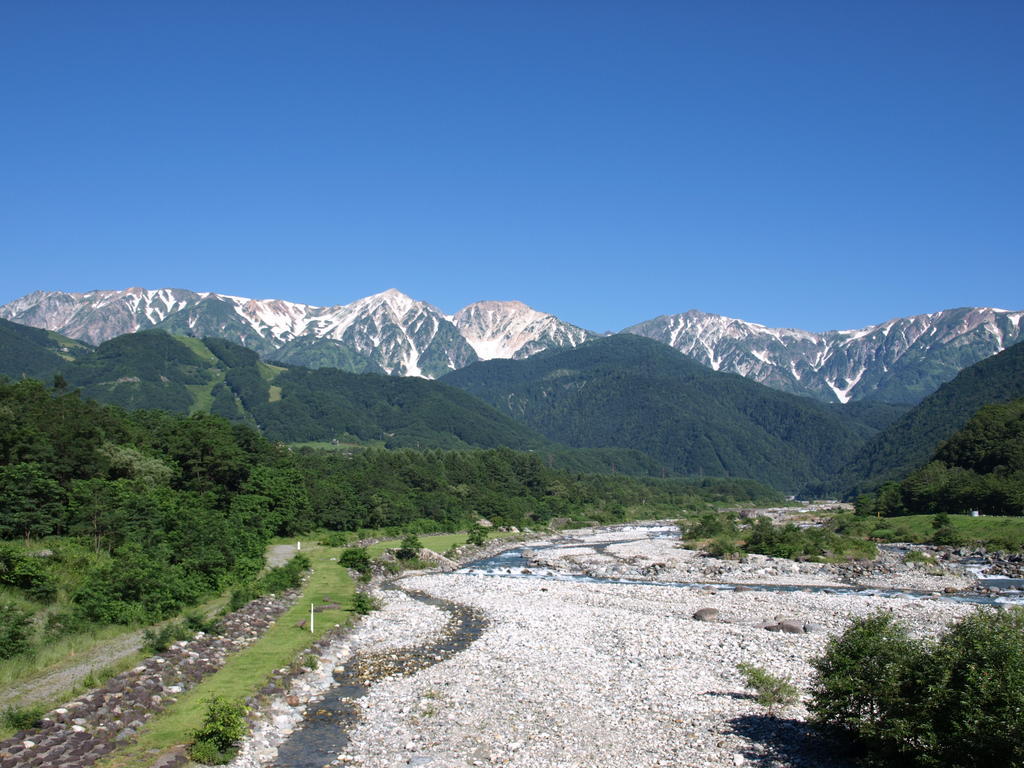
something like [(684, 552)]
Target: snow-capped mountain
[(510, 329), (901, 360), (388, 332)]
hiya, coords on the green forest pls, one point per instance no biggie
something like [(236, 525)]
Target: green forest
[(631, 392), (911, 441), (126, 517), (981, 467)]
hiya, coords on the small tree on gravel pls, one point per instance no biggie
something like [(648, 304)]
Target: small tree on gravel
[(771, 692), (955, 702)]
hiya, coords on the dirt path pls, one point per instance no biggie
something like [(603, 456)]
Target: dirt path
[(64, 679), (279, 554)]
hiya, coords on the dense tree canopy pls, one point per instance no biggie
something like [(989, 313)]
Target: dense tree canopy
[(981, 467)]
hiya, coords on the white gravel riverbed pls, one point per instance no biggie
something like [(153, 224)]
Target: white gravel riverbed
[(664, 560), (580, 674)]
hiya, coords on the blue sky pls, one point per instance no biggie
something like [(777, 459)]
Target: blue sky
[(805, 164)]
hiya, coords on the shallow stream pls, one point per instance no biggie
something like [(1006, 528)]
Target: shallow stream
[(324, 732), (514, 563)]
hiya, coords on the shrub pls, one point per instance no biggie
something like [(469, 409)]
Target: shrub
[(363, 603), (159, 639), (223, 727), (23, 718), (64, 623), (206, 753), (310, 661), (15, 630), (709, 525), (18, 569), (944, 532), (722, 546), (477, 536), (196, 622), (242, 595), (280, 579), (356, 558), (410, 547), (957, 702), (337, 539), (977, 701), (771, 692), (865, 681)]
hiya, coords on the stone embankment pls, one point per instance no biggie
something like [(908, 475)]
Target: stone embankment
[(96, 723)]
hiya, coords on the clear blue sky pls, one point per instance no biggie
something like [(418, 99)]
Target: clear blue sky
[(806, 164)]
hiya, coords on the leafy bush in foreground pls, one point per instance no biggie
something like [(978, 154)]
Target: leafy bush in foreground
[(955, 702), (224, 726)]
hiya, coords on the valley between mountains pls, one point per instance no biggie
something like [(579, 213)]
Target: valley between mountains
[(898, 361), (465, 570)]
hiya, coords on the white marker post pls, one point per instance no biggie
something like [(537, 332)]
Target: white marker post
[(310, 618)]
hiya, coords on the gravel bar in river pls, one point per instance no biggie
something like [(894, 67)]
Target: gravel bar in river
[(609, 675)]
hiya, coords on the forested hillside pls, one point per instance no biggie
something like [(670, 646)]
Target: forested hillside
[(170, 508), (632, 392), (913, 439), (142, 513), (152, 369), (35, 353), (980, 467)]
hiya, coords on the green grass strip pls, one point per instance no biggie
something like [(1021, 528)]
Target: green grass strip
[(249, 669)]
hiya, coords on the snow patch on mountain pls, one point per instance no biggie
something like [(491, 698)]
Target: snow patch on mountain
[(511, 329)]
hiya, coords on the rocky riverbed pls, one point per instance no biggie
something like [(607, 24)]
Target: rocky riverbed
[(605, 555), (584, 673)]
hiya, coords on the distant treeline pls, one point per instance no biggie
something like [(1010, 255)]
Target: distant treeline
[(378, 488)]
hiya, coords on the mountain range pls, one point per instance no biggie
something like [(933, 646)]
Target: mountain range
[(898, 361), (626, 391), (620, 403)]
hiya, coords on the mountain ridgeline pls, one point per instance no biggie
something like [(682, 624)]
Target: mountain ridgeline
[(898, 361), (633, 392), (620, 403), (910, 441), (154, 370)]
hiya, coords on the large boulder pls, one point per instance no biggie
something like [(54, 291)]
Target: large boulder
[(442, 562), (706, 614)]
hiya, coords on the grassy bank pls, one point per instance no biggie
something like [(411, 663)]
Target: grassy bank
[(249, 669), (989, 532)]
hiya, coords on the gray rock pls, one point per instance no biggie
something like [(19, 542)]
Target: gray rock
[(792, 627), (706, 614)]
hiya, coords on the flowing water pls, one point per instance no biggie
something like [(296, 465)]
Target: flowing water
[(515, 564), (324, 732)]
